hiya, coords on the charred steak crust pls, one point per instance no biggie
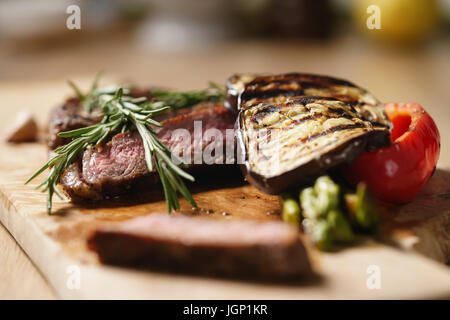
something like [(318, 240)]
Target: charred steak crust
[(71, 116), (286, 138), (67, 117), (119, 165), (242, 249)]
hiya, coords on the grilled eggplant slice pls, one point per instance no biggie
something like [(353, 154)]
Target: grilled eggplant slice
[(292, 128)]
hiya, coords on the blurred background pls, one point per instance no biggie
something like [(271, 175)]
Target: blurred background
[(184, 44)]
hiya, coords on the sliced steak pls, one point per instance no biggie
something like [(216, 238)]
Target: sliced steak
[(119, 165), (243, 249)]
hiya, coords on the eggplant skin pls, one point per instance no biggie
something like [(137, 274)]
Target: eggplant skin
[(287, 140)]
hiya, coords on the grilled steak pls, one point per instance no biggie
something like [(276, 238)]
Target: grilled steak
[(243, 249), (293, 127), (71, 116), (119, 165)]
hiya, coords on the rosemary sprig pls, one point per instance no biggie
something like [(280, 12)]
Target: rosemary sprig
[(169, 173), (120, 113)]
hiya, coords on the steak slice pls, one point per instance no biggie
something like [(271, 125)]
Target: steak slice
[(243, 249), (292, 128), (119, 165)]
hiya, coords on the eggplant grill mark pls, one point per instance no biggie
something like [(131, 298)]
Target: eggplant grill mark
[(334, 129), (248, 95), (288, 86), (253, 102), (328, 131), (323, 147), (317, 85), (269, 135), (318, 135), (318, 150), (302, 79), (351, 103), (341, 112), (346, 99), (265, 81), (307, 118), (323, 80), (308, 99), (321, 115), (263, 112), (379, 125), (303, 100), (356, 103)]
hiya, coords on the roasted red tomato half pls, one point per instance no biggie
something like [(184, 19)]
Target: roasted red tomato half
[(397, 173)]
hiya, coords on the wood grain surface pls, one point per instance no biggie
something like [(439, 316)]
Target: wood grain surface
[(419, 78), (20, 279)]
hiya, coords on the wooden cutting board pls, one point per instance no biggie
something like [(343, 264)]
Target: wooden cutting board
[(409, 256)]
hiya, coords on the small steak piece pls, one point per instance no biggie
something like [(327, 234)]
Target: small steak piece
[(119, 165), (292, 128), (242, 249)]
